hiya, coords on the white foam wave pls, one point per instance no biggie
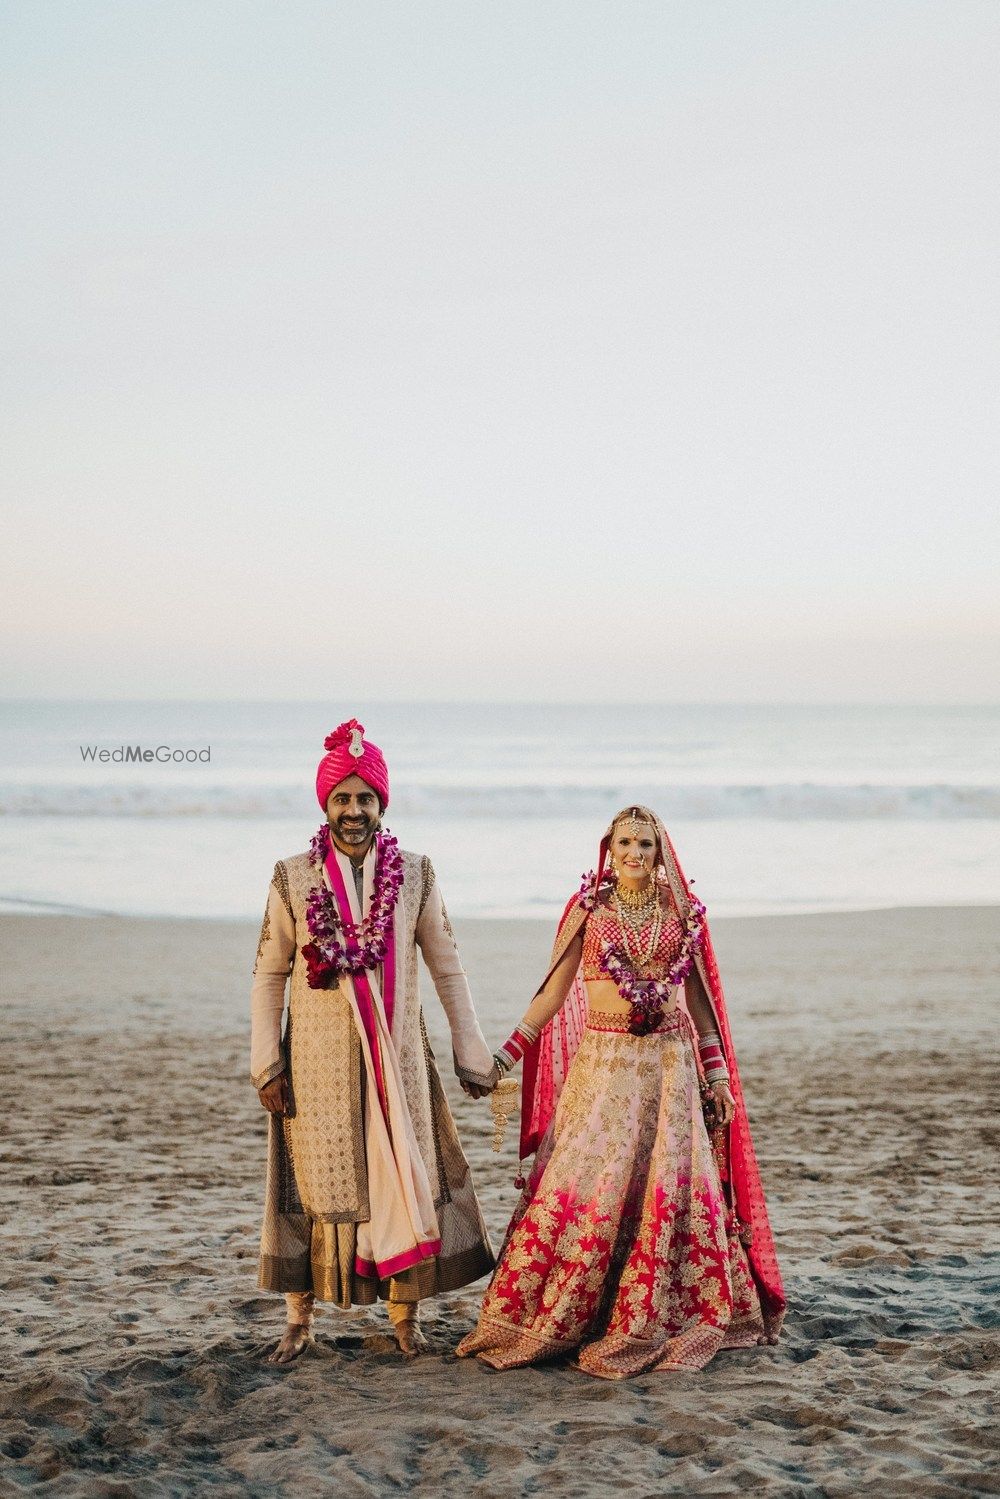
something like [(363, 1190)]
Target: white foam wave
[(786, 802)]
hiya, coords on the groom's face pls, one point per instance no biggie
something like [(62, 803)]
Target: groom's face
[(353, 811)]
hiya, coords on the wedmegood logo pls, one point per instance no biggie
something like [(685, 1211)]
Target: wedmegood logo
[(134, 754)]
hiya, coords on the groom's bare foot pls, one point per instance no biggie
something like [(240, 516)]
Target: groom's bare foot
[(409, 1337), (295, 1338)]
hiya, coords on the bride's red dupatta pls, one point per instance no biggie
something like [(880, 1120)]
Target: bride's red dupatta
[(547, 1062)]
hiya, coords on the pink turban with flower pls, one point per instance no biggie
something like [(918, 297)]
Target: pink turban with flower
[(351, 754)]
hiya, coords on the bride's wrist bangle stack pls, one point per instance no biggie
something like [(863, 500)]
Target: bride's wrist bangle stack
[(511, 1052), (713, 1058)]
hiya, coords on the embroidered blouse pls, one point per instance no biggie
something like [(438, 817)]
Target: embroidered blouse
[(602, 926)]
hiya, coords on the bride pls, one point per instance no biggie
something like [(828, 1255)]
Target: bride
[(641, 1239)]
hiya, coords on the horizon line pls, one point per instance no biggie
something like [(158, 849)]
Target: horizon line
[(431, 702)]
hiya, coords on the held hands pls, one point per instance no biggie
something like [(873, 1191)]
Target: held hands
[(525, 1034), (474, 1091)]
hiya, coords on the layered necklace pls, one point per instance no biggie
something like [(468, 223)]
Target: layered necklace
[(647, 997), (341, 945), (633, 909)]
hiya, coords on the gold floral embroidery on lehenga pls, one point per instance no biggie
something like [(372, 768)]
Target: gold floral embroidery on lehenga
[(623, 1248)]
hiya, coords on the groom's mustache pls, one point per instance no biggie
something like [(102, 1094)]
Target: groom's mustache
[(353, 826)]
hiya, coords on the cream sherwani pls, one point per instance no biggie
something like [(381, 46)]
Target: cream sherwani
[(319, 1186)]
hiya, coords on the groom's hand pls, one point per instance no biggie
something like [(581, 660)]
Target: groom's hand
[(274, 1095), (474, 1091)]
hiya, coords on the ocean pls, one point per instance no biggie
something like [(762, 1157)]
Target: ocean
[(772, 809)]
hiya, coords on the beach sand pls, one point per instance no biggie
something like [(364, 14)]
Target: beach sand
[(133, 1153)]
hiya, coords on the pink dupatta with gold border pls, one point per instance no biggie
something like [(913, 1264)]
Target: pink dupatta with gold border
[(403, 1228)]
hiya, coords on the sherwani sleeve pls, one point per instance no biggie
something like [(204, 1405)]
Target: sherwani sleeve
[(275, 952), (436, 940)]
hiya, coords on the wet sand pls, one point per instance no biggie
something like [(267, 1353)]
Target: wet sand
[(133, 1150)]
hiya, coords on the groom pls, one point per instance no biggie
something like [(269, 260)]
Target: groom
[(368, 1193)]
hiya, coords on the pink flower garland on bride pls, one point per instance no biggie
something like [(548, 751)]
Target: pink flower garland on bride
[(339, 944)]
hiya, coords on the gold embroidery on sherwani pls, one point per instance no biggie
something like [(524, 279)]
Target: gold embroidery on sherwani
[(265, 932), (406, 1031), (426, 882), (446, 923), (325, 1122), (280, 882)]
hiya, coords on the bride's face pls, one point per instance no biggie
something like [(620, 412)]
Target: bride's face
[(633, 849)]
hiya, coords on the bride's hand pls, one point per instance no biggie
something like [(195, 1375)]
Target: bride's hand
[(725, 1103)]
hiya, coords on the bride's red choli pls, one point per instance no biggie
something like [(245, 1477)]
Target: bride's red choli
[(602, 926)]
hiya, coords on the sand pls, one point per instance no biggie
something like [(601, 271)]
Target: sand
[(133, 1173)]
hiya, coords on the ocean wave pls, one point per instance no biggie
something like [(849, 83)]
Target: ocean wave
[(785, 802)]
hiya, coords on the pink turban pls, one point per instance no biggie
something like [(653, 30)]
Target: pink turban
[(351, 754)]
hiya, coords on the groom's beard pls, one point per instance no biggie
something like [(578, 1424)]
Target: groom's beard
[(353, 832)]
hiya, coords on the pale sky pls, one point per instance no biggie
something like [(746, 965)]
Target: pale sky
[(501, 351)]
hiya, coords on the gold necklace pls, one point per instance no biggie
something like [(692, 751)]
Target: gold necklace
[(633, 921), (635, 900)]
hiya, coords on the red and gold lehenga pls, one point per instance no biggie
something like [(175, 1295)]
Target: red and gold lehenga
[(639, 1243)]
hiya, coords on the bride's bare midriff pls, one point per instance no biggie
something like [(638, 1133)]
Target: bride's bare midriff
[(604, 998)]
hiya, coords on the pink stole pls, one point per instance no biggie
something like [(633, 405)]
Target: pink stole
[(362, 987), (402, 1229)]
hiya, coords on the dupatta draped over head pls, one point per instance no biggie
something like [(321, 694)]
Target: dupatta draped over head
[(548, 1061)]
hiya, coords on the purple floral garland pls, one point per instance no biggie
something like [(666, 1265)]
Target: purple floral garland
[(339, 944), (589, 891), (646, 997)]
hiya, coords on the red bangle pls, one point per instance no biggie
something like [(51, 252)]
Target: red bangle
[(517, 1045)]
